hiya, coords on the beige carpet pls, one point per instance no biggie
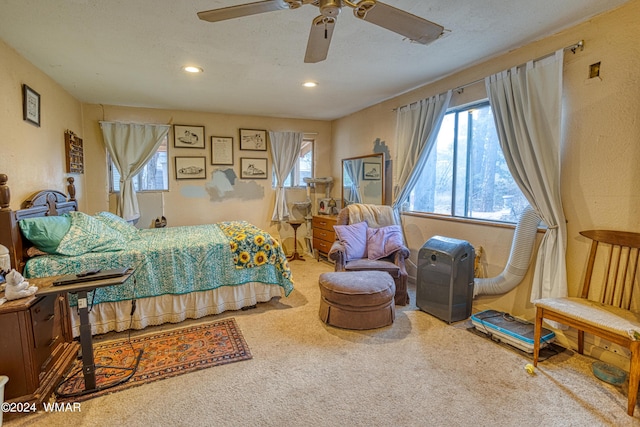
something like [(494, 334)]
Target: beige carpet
[(417, 372)]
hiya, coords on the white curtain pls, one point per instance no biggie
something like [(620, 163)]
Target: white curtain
[(526, 103), (418, 125), (354, 168), (130, 146), (285, 151)]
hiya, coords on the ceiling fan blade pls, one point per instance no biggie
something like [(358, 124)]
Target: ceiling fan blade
[(319, 39), (241, 10), (404, 23)]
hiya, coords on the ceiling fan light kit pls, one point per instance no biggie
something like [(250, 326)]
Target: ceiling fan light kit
[(410, 26)]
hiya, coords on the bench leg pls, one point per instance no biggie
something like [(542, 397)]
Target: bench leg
[(537, 334), (634, 376), (581, 342)]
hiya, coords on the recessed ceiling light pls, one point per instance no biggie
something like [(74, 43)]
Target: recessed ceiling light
[(192, 69), (309, 84)]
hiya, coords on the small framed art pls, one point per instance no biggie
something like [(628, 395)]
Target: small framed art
[(30, 105), (371, 171), (252, 168), (253, 139), (221, 150), (190, 167), (188, 136)]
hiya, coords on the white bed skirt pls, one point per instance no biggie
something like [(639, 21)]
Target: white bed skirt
[(116, 316)]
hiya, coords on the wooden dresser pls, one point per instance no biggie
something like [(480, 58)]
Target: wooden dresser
[(323, 233), (36, 345)]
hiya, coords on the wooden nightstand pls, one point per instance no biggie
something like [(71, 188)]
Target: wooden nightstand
[(323, 233), (36, 344)]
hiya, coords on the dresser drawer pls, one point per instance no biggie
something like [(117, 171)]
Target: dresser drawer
[(319, 233), (322, 245), (323, 223), (46, 329)]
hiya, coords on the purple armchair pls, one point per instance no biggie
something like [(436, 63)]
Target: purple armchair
[(382, 240)]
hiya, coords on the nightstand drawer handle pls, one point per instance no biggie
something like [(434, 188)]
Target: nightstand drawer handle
[(51, 316)]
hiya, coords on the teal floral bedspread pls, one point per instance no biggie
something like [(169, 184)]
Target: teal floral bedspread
[(180, 260)]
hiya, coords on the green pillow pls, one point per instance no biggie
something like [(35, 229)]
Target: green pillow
[(118, 224), (87, 234), (45, 232)]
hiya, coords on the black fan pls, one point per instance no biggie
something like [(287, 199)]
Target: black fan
[(414, 28)]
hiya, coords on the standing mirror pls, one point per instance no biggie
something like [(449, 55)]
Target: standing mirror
[(363, 179)]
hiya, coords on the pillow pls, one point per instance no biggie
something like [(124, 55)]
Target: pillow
[(118, 224), (383, 241), (354, 239), (88, 234), (45, 232)]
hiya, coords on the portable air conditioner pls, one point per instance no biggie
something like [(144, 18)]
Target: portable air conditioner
[(444, 285)]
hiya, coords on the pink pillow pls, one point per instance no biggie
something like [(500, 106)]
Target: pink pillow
[(354, 239), (382, 242)]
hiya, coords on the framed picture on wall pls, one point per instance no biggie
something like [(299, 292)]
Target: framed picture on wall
[(371, 171), (221, 150), (252, 168), (253, 139), (30, 105), (190, 167), (188, 136)]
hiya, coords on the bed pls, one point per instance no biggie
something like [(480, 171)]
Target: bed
[(180, 272)]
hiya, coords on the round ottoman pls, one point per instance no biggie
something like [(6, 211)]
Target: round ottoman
[(357, 300)]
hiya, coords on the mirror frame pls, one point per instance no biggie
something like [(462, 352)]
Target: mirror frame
[(382, 175)]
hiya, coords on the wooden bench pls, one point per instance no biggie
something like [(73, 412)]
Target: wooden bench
[(605, 311)]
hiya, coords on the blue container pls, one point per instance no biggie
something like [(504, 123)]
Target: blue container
[(608, 373), (508, 329)]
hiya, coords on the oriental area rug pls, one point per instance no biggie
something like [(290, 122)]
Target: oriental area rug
[(164, 354)]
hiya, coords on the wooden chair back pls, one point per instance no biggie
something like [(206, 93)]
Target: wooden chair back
[(611, 279), (611, 275)]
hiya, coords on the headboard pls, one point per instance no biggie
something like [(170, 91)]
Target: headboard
[(41, 203)]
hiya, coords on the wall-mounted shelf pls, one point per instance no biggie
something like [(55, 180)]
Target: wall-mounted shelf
[(74, 151)]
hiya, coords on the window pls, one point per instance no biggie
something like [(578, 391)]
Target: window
[(466, 174), (154, 176), (304, 166)]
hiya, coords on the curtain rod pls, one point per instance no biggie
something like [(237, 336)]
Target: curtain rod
[(133, 123), (573, 48)]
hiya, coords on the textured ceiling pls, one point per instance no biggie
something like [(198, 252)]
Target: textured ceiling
[(130, 52)]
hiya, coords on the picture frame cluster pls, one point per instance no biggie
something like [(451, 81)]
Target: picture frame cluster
[(221, 152)]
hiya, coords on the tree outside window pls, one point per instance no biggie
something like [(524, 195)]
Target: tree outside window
[(466, 174)]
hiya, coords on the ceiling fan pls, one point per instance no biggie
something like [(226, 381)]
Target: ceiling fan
[(414, 28)]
